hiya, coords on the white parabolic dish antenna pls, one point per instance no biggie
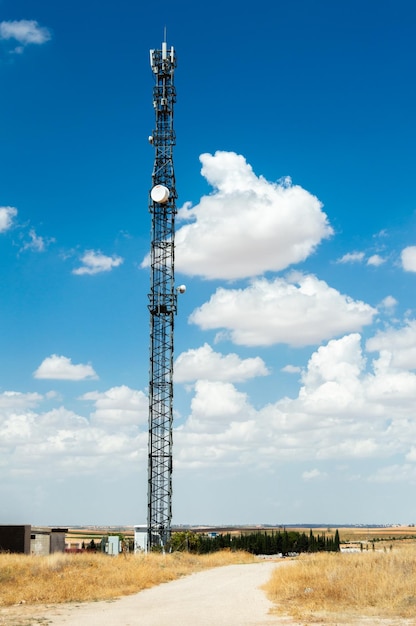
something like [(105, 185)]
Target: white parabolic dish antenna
[(159, 193)]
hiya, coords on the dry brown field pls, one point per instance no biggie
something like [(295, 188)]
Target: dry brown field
[(347, 533), (370, 533), (373, 586), (357, 533)]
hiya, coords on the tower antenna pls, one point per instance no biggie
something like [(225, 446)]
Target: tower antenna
[(162, 301)]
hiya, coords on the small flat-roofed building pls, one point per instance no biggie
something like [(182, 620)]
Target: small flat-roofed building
[(26, 539)]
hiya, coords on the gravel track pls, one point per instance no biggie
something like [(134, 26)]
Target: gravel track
[(223, 596)]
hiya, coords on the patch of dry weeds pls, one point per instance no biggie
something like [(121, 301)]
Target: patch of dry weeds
[(365, 587)]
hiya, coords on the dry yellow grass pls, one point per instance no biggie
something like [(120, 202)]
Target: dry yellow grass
[(371, 584), (82, 577)]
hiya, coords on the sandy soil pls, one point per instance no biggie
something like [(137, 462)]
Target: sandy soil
[(225, 596)]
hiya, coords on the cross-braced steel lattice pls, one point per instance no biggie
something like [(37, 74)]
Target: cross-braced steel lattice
[(162, 301)]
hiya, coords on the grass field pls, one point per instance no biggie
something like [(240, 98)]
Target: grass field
[(351, 534), (333, 587)]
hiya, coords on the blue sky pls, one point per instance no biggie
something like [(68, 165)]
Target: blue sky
[(295, 342)]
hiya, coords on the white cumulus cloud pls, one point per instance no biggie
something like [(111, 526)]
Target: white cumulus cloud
[(119, 405), (36, 243), (342, 411), (300, 311), (396, 345), (248, 225), (60, 440), (7, 214), (395, 474), (215, 404), (205, 363), (291, 369), (388, 303), (352, 257), (408, 258), (332, 374), (314, 474), (95, 262), (376, 260), (347, 407), (24, 31), (17, 401), (62, 368)]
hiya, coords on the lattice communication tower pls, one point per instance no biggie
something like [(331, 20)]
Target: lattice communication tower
[(162, 301)]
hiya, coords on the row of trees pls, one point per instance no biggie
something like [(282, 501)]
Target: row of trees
[(280, 542)]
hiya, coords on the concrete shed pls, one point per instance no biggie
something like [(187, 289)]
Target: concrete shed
[(40, 541)]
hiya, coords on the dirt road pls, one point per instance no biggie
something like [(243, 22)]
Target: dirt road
[(224, 596)]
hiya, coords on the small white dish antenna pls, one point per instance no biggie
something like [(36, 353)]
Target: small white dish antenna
[(181, 288), (160, 194)]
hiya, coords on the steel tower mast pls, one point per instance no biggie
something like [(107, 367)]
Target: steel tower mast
[(162, 301)]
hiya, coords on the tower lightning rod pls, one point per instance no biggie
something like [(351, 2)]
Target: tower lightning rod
[(162, 301)]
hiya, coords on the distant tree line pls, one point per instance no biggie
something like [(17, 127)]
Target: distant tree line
[(261, 542)]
